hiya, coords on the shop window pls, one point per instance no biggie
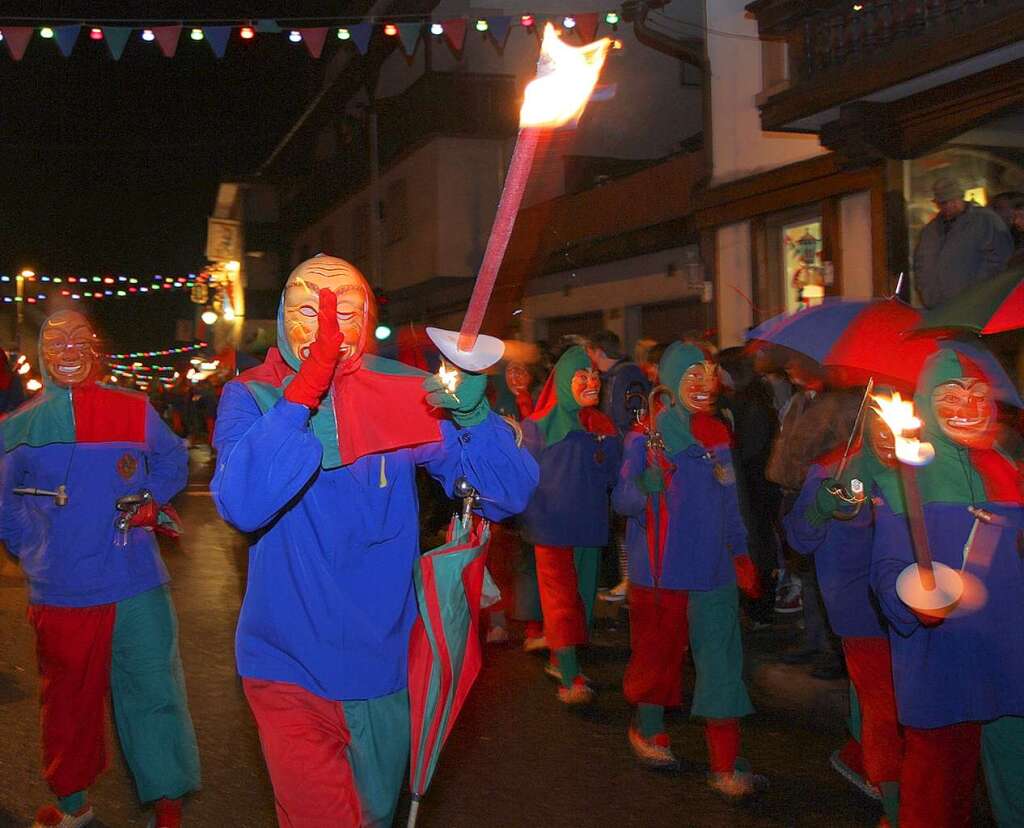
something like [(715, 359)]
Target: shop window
[(803, 275)]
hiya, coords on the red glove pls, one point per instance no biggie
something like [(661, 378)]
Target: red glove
[(146, 515), (316, 372), (746, 576)]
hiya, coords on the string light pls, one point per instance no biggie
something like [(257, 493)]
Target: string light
[(436, 29), (295, 36), (612, 19), (246, 33), (148, 36), (528, 21), (569, 22), (95, 33), (46, 33), (390, 29), (482, 25), (196, 34), (344, 34)]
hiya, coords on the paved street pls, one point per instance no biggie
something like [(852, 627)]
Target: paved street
[(516, 758)]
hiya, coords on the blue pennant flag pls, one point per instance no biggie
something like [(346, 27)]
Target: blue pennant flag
[(117, 38), (361, 33), (66, 37), (217, 37), (499, 27)]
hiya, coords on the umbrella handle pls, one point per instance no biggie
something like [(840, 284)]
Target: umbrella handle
[(414, 810)]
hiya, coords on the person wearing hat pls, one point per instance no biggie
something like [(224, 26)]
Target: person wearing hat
[(964, 244)]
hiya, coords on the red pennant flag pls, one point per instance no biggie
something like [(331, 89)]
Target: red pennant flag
[(455, 33), (314, 40), (167, 39), (586, 26), (17, 38)]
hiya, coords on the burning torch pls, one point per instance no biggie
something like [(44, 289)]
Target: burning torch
[(925, 586), (566, 77)]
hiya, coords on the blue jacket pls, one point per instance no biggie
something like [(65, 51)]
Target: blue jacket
[(69, 553), (330, 603), (705, 529), (970, 667), (570, 506), (842, 559)]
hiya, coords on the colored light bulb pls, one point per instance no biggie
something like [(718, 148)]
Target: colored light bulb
[(344, 34), (246, 33), (482, 25)]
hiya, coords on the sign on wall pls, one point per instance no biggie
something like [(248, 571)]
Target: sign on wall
[(223, 239)]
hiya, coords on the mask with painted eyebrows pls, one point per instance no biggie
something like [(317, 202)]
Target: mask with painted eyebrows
[(302, 305), (69, 350)]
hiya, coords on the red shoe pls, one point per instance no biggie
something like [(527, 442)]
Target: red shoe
[(579, 693), (655, 752), (50, 816), (167, 813)]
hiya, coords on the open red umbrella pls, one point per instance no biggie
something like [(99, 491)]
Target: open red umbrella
[(862, 338)]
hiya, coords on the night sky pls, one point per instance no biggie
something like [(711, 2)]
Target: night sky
[(113, 166)]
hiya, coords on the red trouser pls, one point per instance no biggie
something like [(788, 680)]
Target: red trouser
[(658, 640), (659, 636), (565, 621), (940, 771), (869, 663), (73, 646), (305, 741)]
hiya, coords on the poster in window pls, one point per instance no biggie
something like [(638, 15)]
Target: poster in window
[(801, 251)]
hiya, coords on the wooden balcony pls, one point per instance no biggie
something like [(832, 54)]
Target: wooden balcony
[(879, 50)]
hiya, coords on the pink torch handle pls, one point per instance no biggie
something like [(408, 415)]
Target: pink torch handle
[(501, 231)]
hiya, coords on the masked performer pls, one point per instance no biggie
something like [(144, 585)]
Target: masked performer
[(578, 449), (957, 670), (317, 450), (97, 594), (841, 547), (687, 551)]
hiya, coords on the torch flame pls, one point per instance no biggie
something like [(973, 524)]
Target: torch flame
[(898, 414), (449, 378), (566, 76)]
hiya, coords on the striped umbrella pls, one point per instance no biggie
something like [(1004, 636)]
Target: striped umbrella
[(444, 651)]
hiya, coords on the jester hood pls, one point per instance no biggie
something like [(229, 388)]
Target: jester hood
[(557, 412), (970, 474), (375, 405), (73, 407)]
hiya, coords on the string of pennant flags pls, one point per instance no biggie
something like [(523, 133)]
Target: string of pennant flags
[(355, 32), (32, 289)]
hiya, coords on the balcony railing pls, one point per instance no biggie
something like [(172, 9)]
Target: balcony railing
[(855, 31)]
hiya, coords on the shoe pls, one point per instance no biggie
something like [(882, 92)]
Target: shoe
[(50, 816), (579, 693), (497, 635), (533, 644), (789, 597), (617, 593), (854, 778), (167, 813), (654, 752), (804, 655), (551, 669), (738, 784)]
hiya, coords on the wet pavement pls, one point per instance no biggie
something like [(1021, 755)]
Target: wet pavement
[(516, 757)]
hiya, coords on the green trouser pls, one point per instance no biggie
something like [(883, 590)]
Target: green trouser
[(527, 592), (147, 686), (854, 722), (1002, 755), (714, 620), (378, 753), (588, 566)]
